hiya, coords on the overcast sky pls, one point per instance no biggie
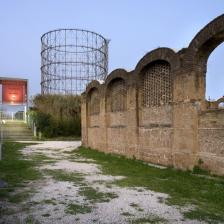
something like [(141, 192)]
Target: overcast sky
[(134, 27)]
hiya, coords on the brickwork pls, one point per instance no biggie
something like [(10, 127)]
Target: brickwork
[(158, 112)]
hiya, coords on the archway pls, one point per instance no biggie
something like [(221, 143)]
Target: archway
[(201, 48), (215, 74)]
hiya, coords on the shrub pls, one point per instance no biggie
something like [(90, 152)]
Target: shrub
[(57, 115)]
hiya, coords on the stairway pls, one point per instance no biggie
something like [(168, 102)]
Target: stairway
[(17, 131)]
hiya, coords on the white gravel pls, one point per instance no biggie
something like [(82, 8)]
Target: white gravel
[(50, 202)]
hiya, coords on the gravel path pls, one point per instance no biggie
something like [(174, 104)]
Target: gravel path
[(59, 201)]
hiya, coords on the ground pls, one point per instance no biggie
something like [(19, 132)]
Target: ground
[(72, 188)]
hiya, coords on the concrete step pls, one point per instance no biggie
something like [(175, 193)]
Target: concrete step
[(17, 130)]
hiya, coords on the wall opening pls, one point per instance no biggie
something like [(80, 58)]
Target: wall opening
[(215, 74)]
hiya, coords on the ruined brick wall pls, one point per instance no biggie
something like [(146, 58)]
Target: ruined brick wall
[(158, 112)]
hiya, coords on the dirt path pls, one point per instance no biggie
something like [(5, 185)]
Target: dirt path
[(74, 190)]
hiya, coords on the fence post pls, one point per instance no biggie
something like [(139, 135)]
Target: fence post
[(34, 130), (1, 137)]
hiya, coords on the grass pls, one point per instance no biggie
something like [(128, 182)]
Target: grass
[(50, 201), (62, 138), (126, 214), (19, 197), (40, 158), (14, 169), (151, 219), (61, 175), (90, 194), (77, 209), (183, 187), (134, 205), (95, 196)]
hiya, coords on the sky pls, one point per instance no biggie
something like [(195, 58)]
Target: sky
[(134, 28)]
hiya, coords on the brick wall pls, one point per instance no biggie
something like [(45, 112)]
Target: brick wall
[(158, 112)]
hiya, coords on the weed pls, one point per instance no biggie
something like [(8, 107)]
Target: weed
[(134, 205), (126, 214), (61, 175), (76, 209), (151, 219), (95, 196)]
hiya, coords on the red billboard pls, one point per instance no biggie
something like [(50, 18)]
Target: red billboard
[(14, 91)]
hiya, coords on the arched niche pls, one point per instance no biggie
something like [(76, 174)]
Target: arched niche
[(116, 97)]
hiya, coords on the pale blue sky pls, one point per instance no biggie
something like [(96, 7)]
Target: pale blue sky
[(134, 27)]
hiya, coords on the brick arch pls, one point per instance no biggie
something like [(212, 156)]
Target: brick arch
[(220, 100), (117, 73), (202, 45), (94, 84), (159, 54), (152, 67)]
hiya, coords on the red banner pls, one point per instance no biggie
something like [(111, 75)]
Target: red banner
[(14, 91)]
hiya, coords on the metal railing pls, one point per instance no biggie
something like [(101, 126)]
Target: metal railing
[(13, 116)]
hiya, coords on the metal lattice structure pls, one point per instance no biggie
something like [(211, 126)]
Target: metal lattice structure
[(157, 85), (70, 59)]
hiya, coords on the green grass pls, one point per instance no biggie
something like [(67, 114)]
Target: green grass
[(61, 175), (62, 138), (151, 219), (183, 187), (126, 214), (50, 201), (19, 197), (134, 205), (15, 169), (95, 196), (77, 209), (46, 215), (40, 158), (90, 194)]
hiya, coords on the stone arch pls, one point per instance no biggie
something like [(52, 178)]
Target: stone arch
[(94, 84), (202, 45), (155, 74), (159, 54), (220, 103), (116, 91)]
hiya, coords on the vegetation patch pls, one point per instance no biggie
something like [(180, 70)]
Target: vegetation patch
[(31, 220), (46, 215), (151, 219), (184, 188), (61, 175), (40, 158), (95, 196), (14, 169), (78, 209), (134, 205), (126, 214), (57, 115), (50, 201), (19, 197)]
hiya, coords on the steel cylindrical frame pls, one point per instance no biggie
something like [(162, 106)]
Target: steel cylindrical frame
[(70, 59)]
